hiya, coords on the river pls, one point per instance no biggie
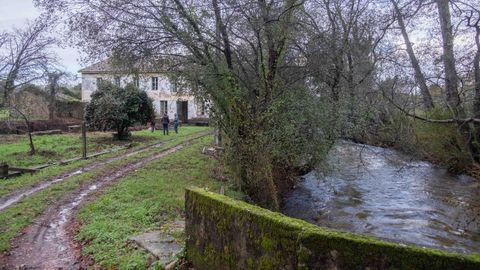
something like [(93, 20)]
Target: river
[(383, 193)]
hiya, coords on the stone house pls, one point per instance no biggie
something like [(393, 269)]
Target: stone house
[(166, 93)]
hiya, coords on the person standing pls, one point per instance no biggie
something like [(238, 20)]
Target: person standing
[(153, 124), (175, 123), (165, 122)]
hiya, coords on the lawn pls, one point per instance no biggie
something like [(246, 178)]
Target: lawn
[(20, 215), (143, 201), (53, 148)]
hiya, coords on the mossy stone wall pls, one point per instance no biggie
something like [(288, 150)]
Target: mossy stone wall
[(223, 233)]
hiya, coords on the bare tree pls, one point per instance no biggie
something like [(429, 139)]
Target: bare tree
[(343, 54), (25, 56), (4, 38), (53, 83), (419, 76)]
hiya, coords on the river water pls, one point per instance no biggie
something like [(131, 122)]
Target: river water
[(383, 193)]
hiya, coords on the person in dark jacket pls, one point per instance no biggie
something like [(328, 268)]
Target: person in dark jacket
[(176, 122), (165, 122), (152, 124)]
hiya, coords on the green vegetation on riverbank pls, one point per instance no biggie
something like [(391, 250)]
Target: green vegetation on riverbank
[(143, 201), (438, 143), (21, 214), (53, 148)]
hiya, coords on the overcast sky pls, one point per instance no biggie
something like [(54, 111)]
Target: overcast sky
[(17, 12)]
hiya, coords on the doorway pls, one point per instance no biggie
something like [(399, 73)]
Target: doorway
[(182, 111)]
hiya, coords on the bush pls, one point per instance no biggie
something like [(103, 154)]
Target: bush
[(4, 114), (117, 108)]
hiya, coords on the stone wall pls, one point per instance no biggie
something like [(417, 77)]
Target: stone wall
[(19, 127), (35, 105), (223, 233)]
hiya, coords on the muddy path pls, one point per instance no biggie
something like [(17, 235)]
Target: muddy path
[(47, 243), (12, 198)]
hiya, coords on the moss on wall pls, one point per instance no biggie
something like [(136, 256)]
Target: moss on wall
[(223, 233)]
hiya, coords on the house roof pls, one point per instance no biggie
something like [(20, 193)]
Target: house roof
[(104, 66), (108, 66)]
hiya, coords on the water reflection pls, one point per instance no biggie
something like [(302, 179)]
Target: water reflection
[(381, 192)]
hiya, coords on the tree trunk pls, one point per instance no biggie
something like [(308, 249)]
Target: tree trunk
[(53, 79), (29, 132), (51, 111), (7, 89), (476, 69), (256, 174), (122, 133), (451, 79), (222, 30), (419, 77)]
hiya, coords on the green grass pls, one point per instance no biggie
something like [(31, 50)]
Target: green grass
[(140, 138), (9, 185), (438, 143), (442, 145), (21, 214), (141, 202), (53, 148)]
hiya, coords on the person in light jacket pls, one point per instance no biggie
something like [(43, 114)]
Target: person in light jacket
[(176, 122)]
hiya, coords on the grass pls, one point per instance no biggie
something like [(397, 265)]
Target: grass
[(53, 148), (140, 138), (438, 143), (143, 201), (21, 214), (9, 185), (442, 145)]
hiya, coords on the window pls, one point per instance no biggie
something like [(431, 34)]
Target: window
[(174, 86), (99, 81), (154, 83), (163, 106), (136, 82), (117, 81), (201, 108)]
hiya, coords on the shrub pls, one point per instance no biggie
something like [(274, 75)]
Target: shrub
[(117, 108)]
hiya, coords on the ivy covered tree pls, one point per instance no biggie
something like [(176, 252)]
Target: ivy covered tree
[(117, 108)]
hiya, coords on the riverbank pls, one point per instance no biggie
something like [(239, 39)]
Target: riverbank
[(439, 144)]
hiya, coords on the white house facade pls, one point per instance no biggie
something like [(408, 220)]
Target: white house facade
[(164, 92)]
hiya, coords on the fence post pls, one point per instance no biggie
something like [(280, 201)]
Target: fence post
[(84, 140), (3, 170)]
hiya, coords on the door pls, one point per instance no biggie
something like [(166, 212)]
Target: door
[(182, 111)]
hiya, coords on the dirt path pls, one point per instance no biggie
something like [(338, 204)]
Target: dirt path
[(8, 200), (46, 243)]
